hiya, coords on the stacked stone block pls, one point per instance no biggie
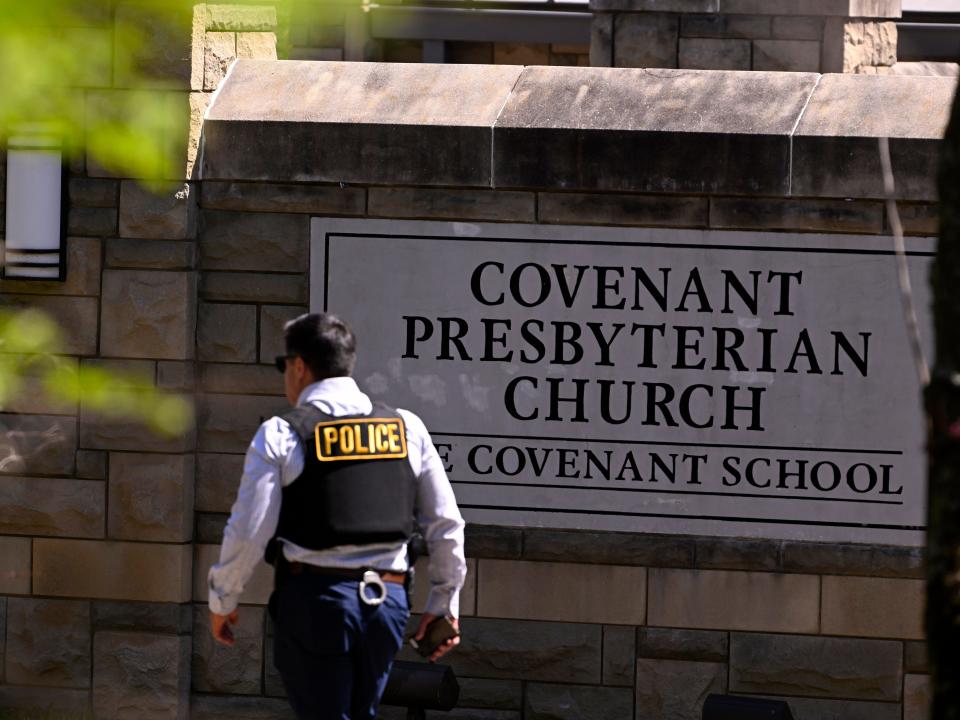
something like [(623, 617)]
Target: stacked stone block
[(832, 36), (97, 517)]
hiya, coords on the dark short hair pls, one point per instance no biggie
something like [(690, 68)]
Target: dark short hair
[(324, 341)]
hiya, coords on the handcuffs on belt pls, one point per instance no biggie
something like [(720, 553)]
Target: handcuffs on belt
[(372, 579)]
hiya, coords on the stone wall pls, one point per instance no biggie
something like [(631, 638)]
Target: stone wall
[(97, 519), (847, 36), (106, 533)]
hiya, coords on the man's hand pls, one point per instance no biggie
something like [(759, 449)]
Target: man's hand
[(444, 648), (220, 627)]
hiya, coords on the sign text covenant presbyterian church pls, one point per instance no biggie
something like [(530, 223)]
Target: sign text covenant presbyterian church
[(652, 380)]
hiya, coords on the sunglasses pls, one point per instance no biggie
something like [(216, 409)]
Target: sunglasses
[(280, 362)]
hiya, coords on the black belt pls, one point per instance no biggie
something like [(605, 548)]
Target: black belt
[(298, 568)]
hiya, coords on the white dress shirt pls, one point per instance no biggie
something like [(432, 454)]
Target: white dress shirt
[(275, 459)]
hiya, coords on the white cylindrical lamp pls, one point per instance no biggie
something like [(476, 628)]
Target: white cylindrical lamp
[(34, 247)]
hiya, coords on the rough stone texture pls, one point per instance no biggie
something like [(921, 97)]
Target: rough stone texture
[(563, 592), (140, 676), (93, 192), (97, 222), (242, 18), (517, 649), (835, 153), (492, 541), (83, 273), (257, 46), (168, 215), (244, 379), (872, 607), (257, 590), (272, 320), (677, 121), (151, 254), (498, 206), (51, 506), (725, 26), (234, 670), (175, 375), (491, 694), (14, 566), (850, 559), (675, 689), (601, 40), (76, 316), (218, 477), (714, 54), (220, 49), (91, 464), (45, 701), (150, 497), (432, 128), (283, 198), (619, 655), (565, 702), (868, 44), (48, 642), (162, 58), (148, 314), (607, 548), (786, 55), (915, 657), (253, 287), (143, 616), (916, 697), (816, 666), (798, 28), (227, 332), (752, 600), (651, 210), (224, 707), (38, 444), (111, 570), (680, 644), (227, 422), (276, 242), (775, 214), (737, 554), (104, 434), (646, 40)]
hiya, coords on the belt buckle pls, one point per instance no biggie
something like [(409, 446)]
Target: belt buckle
[(371, 579)]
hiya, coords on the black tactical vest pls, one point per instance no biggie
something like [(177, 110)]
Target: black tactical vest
[(357, 486)]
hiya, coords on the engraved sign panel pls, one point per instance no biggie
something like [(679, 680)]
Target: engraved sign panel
[(687, 381)]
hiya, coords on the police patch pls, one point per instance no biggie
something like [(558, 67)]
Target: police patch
[(361, 439)]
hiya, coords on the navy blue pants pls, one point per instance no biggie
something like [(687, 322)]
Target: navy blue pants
[(333, 652)]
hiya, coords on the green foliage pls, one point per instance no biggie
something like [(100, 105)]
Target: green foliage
[(31, 346), (59, 59)]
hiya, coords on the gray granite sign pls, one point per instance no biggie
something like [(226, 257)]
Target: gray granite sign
[(685, 381)]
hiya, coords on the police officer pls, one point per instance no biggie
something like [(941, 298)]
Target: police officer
[(334, 487)]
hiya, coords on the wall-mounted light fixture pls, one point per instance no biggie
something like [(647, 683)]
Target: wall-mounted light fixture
[(35, 224)]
